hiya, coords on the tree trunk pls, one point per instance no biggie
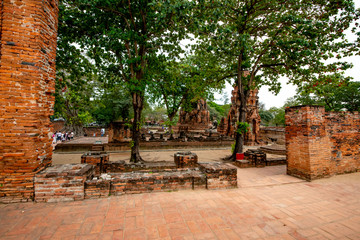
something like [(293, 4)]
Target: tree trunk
[(239, 138), (171, 117), (78, 130), (136, 125)]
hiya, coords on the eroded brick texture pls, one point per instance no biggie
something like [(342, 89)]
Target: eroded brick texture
[(228, 126), (320, 143), (219, 175), (27, 72), (185, 159), (62, 182), (98, 159), (196, 120), (166, 180)]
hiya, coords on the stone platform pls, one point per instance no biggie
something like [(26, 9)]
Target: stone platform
[(70, 182), (62, 182), (274, 149)]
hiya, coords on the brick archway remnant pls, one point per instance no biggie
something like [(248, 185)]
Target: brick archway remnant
[(321, 144), (28, 34)]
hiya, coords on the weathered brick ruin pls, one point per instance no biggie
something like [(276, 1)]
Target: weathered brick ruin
[(118, 132), (71, 182), (197, 119), (228, 126), (320, 144), (99, 159), (62, 182), (28, 31), (185, 159)]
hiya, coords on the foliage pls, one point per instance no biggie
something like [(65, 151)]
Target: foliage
[(126, 39), (85, 118), (73, 85), (278, 116), (232, 147), (271, 39), (345, 96), (156, 113), (242, 127), (111, 103), (218, 111), (266, 117)]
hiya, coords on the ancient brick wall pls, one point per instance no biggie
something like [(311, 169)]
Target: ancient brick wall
[(27, 71), (319, 143)]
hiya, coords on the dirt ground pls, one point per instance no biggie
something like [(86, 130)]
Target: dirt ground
[(204, 155)]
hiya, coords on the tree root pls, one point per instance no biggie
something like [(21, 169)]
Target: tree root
[(230, 158)]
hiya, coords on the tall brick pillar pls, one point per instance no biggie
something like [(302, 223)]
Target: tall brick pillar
[(308, 147), (28, 31)]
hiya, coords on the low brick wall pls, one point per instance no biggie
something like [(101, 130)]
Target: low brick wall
[(272, 135), (140, 182), (219, 175), (97, 188), (62, 182), (70, 182), (243, 164)]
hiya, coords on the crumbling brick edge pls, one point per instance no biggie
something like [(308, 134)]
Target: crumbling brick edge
[(73, 182)]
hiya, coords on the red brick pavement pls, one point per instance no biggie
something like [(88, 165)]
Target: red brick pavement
[(298, 210)]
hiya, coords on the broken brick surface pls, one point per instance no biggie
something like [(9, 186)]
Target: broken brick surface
[(320, 144), (28, 34), (62, 182)]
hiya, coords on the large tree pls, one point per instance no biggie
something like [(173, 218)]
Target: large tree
[(269, 39), (125, 38), (74, 85), (180, 83)]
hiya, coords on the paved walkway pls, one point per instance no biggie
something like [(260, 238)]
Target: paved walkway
[(323, 209)]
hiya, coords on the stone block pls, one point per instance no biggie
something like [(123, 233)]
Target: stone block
[(185, 159)]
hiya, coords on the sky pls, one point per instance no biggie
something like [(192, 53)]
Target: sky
[(287, 90)]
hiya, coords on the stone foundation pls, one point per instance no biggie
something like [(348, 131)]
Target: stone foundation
[(72, 182), (62, 182)]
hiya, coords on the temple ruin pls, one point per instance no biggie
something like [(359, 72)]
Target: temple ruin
[(227, 125), (318, 143), (28, 32), (197, 119)]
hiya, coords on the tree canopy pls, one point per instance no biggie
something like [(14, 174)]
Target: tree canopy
[(137, 44), (125, 39), (270, 39)]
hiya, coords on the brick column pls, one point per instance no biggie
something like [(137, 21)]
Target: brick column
[(308, 147), (27, 71)]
